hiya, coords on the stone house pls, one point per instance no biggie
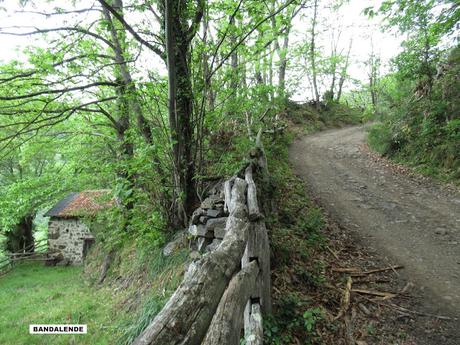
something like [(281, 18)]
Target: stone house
[(67, 233)]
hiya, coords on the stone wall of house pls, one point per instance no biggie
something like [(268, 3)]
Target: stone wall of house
[(67, 235)]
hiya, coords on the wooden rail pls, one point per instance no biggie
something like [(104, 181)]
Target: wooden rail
[(225, 293), (7, 263)]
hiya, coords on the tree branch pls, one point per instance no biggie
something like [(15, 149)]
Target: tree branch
[(191, 32), (246, 36), (49, 92), (57, 64), (64, 28), (136, 36)]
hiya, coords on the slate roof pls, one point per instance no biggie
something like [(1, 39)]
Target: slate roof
[(81, 204)]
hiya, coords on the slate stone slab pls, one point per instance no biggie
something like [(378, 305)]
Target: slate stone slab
[(214, 213), (217, 226), (199, 230), (202, 243), (203, 219), (196, 215), (211, 202), (213, 246)]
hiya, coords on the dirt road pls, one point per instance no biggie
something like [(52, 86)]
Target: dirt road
[(413, 222)]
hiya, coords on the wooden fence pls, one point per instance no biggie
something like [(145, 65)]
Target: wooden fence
[(225, 293), (31, 253)]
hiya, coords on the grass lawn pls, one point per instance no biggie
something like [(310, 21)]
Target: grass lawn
[(34, 294)]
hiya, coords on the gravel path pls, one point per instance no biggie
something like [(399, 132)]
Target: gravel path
[(412, 221)]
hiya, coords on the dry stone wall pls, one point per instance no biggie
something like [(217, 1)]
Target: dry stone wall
[(207, 224)]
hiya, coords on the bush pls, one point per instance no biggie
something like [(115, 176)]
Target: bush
[(380, 138), (423, 128)]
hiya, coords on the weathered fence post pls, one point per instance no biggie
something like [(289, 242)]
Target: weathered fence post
[(258, 248), (253, 325), (225, 328)]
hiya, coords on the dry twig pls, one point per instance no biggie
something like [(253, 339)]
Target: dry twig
[(345, 300)]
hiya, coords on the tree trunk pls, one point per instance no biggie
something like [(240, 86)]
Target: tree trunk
[(373, 76), (313, 54), (283, 64), (343, 73), (206, 68), (334, 42), (180, 108), (253, 327), (271, 52), (257, 66), (21, 239), (234, 57), (125, 93)]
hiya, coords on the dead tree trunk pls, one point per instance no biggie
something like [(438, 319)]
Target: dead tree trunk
[(258, 248), (253, 206)]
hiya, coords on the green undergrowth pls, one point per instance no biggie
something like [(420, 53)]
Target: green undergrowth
[(434, 154), (143, 280), (230, 146), (140, 279), (422, 130), (308, 119), (297, 240)]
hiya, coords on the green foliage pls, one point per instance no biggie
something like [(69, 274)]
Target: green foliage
[(164, 274), (292, 323), (333, 114), (311, 317), (421, 128), (379, 139), (114, 130), (420, 100), (143, 280), (113, 316), (288, 321)]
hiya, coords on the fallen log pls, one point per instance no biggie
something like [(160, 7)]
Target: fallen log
[(226, 325), (186, 316)]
